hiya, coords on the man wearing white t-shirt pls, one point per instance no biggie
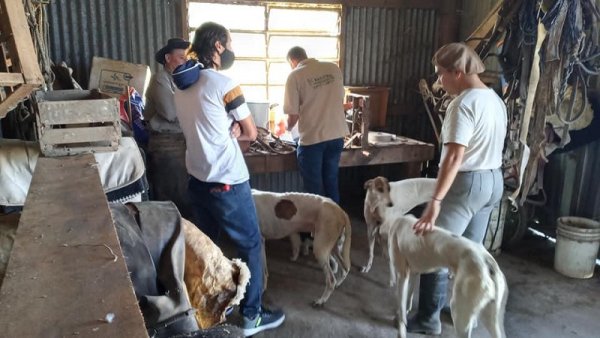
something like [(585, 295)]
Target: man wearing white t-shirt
[(469, 183), (213, 115), (314, 96)]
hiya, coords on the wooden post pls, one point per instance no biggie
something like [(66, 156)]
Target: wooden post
[(23, 57), (448, 29)]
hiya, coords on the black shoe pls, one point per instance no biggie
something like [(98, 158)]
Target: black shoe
[(430, 327)]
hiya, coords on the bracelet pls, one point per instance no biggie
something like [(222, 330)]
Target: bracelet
[(436, 199)]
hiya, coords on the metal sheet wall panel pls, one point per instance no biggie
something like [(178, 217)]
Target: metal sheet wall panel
[(572, 183), (471, 16), (278, 182), (128, 30), (390, 47)]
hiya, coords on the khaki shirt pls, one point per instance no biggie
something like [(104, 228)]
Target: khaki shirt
[(160, 104), (315, 92)]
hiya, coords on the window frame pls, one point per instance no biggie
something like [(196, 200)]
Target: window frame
[(269, 33)]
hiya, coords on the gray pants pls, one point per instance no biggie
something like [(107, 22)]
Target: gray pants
[(468, 204)]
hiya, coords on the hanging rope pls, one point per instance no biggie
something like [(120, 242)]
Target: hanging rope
[(38, 25)]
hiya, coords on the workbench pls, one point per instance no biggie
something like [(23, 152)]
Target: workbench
[(406, 151)]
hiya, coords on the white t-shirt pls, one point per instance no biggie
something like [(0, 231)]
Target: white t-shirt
[(206, 111), (476, 119), (315, 92)]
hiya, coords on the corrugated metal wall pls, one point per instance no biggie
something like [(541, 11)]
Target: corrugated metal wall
[(128, 30), (391, 47), (472, 14), (573, 184)]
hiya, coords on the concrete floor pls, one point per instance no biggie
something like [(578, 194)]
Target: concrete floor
[(542, 303)]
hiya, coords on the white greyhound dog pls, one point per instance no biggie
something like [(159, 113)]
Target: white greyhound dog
[(402, 196), (479, 286), (479, 290), (286, 214)]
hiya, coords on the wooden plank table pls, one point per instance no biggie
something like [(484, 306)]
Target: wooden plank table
[(66, 271), (407, 151)]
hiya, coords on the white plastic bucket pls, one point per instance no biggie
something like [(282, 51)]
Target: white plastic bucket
[(577, 243), (260, 113)]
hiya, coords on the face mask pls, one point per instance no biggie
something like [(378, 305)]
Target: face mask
[(227, 58)]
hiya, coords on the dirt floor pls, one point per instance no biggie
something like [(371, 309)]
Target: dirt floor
[(542, 303)]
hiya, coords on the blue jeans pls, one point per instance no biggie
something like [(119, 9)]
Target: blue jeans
[(230, 208), (319, 166)]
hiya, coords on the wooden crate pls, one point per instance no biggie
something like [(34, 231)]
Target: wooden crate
[(72, 122), (19, 70)]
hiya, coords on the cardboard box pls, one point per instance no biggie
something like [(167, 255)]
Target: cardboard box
[(112, 76)]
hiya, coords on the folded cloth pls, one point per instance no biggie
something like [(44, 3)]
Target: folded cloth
[(118, 169)]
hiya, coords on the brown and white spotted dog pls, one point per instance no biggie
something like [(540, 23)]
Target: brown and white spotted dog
[(287, 214)]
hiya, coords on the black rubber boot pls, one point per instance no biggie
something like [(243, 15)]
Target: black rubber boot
[(432, 297)]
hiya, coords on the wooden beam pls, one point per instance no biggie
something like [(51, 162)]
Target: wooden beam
[(386, 155), (416, 4), (80, 135), (448, 26), (11, 101), (66, 271), (11, 79), (21, 44), (485, 28), (184, 13), (413, 4)]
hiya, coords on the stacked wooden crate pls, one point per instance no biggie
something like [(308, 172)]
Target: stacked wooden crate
[(71, 122), (19, 70)]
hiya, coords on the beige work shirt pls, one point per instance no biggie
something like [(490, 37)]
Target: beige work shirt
[(315, 92)]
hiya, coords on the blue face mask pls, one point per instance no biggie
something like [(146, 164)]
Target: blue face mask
[(227, 58)]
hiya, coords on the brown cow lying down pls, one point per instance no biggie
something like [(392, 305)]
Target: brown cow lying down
[(214, 282)]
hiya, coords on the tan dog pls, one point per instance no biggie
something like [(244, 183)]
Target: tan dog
[(479, 290), (213, 281), (402, 196), (286, 214)]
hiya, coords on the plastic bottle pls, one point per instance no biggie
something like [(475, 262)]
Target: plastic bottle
[(272, 115)]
